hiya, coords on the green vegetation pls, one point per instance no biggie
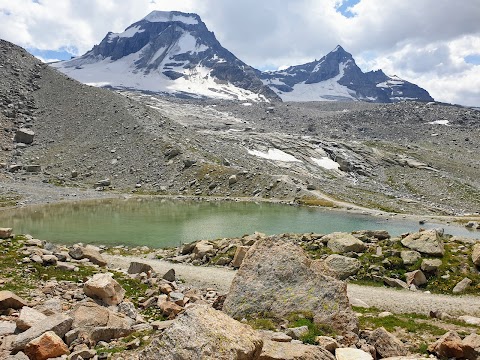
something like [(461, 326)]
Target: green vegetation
[(314, 330), (9, 200), (314, 201)]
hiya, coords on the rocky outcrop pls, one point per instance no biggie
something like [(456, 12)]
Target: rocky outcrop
[(276, 278), (427, 242), (204, 333)]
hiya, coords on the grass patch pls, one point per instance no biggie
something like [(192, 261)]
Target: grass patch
[(314, 330), (314, 201), (262, 324), (9, 200)]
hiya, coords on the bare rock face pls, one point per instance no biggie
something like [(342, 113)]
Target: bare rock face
[(386, 344), (104, 287), (8, 300), (278, 279), (448, 346), (343, 242), (49, 345), (274, 350), (426, 242), (202, 332)]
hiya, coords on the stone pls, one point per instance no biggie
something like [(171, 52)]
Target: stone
[(106, 333), (276, 277), (202, 332), (60, 324), (410, 257), (366, 235), (471, 346), (28, 317), (426, 242), (88, 252), (273, 350), (476, 254), (343, 242), (7, 328), (328, 343), (48, 345), (128, 309), (66, 266), (297, 332), (343, 266), (170, 275), (462, 286), (386, 344), (8, 300), (240, 253), (359, 303), (203, 248), (416, 278), (33, 168), (24, 135), (232, 180), (448, 346), (352, 354), (138, 268), (170, 309), (430, 265), (82, 354), (5, 233), (471, 320), (49, 260), (105, 288), (395, 282), (274, 336), (104, 182), (18, 356), (90, 314)]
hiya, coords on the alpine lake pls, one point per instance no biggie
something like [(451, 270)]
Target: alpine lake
[(160, 222)]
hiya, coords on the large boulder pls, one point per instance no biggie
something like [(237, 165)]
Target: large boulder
[(8, 300), (342, 266), (386, 344), (343, 242), (46, 346), (277, 278), (105, 288), (88, 252), (274, 350), (90, 314), (416, 278), (471, 346), (5, 233), (448, 346), (29, 317), (202, 332), (60, 324), (427, 242)]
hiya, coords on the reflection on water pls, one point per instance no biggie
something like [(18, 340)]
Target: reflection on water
[(162, 223)]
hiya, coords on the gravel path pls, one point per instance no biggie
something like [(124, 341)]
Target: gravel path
[(387, 299)]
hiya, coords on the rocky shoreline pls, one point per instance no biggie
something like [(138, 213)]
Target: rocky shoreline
[(71, 299)]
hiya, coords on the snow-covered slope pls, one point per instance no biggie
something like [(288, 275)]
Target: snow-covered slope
[(168, 52), (336, 76)]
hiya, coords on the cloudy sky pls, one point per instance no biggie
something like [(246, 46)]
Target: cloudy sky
[(433, 43)]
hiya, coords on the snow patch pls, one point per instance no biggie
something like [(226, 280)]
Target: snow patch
[(440, 122), (326, 163), (274, 154), (167, 16), (130, 32)]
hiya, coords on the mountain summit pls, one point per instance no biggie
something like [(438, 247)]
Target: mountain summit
[(168, 52), (174, 53), (336, 76)]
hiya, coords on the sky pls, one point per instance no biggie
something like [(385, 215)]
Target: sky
[(432, 43)]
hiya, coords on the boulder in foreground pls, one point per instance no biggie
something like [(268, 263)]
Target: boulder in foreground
[(277, 279), (202, 332)]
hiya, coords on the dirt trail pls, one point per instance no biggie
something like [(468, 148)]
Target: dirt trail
[(387, 299)]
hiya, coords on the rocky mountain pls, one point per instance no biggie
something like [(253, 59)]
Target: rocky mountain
[(336, 76), (168, 52)]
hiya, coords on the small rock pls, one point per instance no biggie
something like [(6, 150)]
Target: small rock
[(24, 135), (327, 343), (343, 242), (8, 300), (476, 254), (462, 286), (138, 267), (28, 317), (471, 320), (232, 180), (170, 275), (104, 287), (342, 266), (430, 265), (416, 278), (448, 346), (240, 253), (410, 257), (297, 332), (352, 354), (5, 233), (386, 344)]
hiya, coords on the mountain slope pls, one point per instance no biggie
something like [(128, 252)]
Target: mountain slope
[(336, 76), (169, 52)]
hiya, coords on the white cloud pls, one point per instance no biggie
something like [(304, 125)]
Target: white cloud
[(422, 41)]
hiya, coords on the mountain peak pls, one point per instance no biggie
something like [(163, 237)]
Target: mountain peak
[(338, 48), (172, 16)]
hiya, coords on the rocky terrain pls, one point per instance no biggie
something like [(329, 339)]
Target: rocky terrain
[(403, 157), (71, 303)]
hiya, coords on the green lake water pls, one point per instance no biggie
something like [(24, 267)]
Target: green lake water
[(164, 223)]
